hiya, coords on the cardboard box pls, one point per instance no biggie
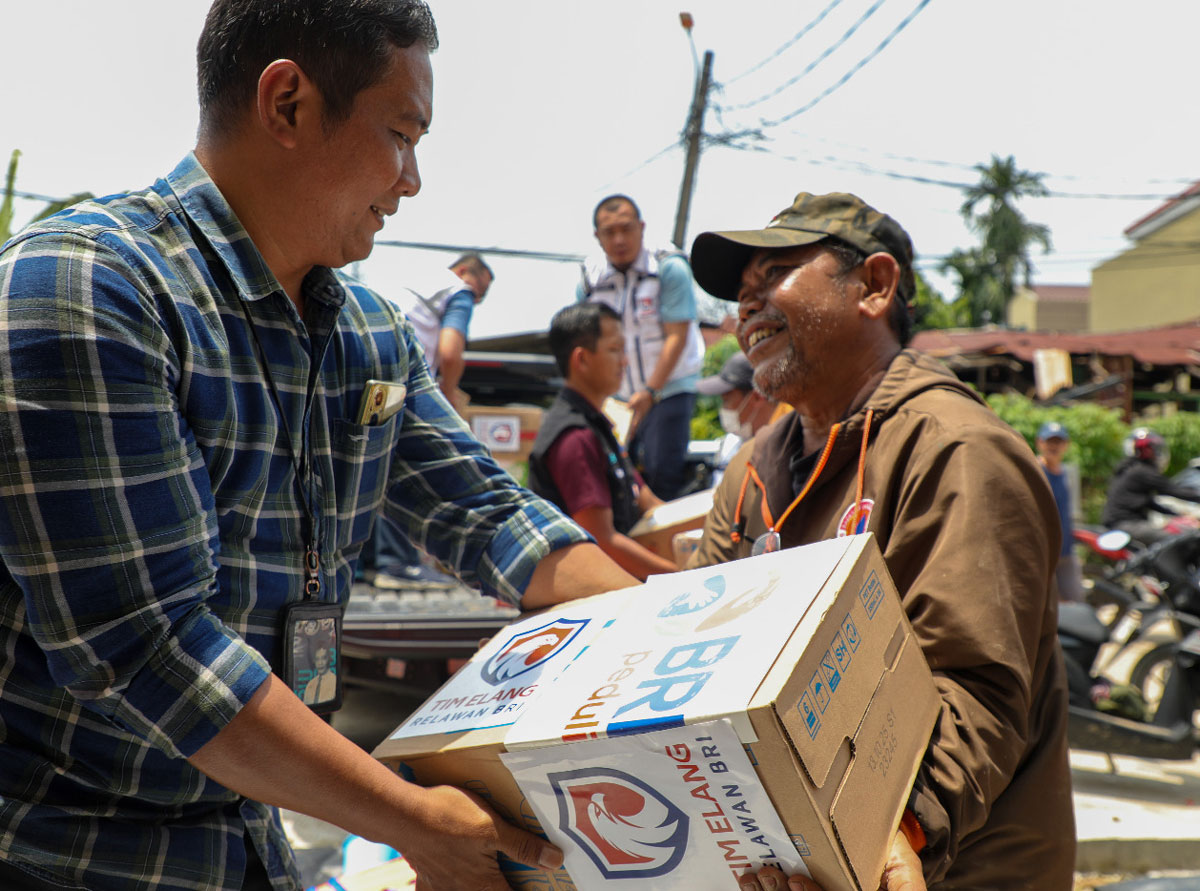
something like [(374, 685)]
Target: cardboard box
[(656, 530), (805, 654), (508, 431)]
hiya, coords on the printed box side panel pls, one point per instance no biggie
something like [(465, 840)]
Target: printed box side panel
[(888, 750), (784, 780), (823, 701)]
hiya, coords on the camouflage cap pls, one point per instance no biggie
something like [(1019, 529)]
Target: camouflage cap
[(718, 258)]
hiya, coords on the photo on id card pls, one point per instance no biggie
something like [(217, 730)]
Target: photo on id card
[(312, 640)]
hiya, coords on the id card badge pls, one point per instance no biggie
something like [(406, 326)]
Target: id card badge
[(312, 641)]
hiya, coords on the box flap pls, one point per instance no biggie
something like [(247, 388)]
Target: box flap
[(848, 634), (889, 746), (500, 680)]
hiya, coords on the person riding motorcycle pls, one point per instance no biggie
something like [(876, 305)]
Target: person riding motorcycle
[(1136, 482)]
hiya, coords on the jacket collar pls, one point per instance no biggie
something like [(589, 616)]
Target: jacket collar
[(909, 373)]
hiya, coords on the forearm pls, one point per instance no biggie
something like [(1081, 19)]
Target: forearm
[(578, 570), (450, 372), (278, 752), (634, 558)]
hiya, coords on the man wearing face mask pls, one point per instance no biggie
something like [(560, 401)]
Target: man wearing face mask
[(576, 461), (743, 412)]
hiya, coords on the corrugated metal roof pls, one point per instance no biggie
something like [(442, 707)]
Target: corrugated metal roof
[(1170, 345)]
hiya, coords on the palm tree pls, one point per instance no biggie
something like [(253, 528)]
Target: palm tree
[(6, 203), (981, 298), (989, 208)]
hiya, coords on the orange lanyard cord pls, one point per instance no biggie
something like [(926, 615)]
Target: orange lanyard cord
[(862, 467), (766, 513), (812, 477)]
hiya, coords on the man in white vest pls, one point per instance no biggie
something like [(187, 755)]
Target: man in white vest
[(652, 293), (442, 318)]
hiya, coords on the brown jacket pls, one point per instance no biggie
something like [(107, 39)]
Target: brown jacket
[(970, 533)]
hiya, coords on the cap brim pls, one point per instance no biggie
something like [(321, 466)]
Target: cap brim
[(718, 258), (713, 386)]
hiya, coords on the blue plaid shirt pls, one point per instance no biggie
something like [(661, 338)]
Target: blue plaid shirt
[(151, 527)]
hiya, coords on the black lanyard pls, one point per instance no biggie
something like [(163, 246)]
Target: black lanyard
[(302, 464)]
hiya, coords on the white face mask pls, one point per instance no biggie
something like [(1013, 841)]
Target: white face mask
[(731, 424)]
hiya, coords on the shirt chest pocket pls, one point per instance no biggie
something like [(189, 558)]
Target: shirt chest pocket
[(362, 457), (645, 300)]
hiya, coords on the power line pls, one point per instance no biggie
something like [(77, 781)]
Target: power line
[(871, 10), (495, 251), (872, 170), (904, 23), (820, 16)]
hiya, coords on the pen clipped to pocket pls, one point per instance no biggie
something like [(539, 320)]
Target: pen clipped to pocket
[(380, 400)]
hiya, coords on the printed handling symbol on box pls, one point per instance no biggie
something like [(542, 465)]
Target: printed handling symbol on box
[(820, 692), (851, 632), (802, 847), (871, 594), (841, 652), (812, 720), (833, 677)]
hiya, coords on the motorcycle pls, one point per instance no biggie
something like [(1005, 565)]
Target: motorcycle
[(1153, 715)]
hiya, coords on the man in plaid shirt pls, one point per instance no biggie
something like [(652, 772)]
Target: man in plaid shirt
[(183, 459)]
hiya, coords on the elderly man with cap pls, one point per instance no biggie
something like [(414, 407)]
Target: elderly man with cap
[(744, 411), (887, 441)]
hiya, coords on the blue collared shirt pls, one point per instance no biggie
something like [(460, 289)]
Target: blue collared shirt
[(151, 523)]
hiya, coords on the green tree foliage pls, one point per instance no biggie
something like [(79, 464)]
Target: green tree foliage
[(988, 274), (1096, 437), (6, 204), (930, 309), (1182, 433), (705, 423)]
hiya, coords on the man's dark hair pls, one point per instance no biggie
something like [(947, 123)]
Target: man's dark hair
[(472, 262), (611, 203), (344, 46), (577, 326), (849, 257)]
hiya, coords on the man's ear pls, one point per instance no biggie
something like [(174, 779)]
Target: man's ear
[(286, 98), (880, 275), (577, 363)]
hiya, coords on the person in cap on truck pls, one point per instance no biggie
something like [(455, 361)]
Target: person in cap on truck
[(885, 440)]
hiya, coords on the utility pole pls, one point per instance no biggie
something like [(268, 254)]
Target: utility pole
[(695, 129)]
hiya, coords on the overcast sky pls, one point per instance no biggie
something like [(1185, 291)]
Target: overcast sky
[(541, 107)]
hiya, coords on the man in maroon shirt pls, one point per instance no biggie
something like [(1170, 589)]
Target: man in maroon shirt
[(577, 461)]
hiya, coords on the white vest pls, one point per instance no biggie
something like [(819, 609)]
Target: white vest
[(425, 313), (633, 295)]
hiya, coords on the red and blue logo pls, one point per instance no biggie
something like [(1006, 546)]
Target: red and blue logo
[(854, 520), (530, 649), (628, 830)]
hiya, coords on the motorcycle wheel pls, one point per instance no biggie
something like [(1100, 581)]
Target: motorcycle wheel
[(1150, 676)]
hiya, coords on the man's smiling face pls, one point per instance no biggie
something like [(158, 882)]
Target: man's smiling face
[(795, 319)]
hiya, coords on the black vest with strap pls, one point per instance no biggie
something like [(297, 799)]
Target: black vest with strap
[(570, 410)]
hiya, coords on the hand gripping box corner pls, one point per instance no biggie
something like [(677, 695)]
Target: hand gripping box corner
[(456, 735), (807, 654)]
